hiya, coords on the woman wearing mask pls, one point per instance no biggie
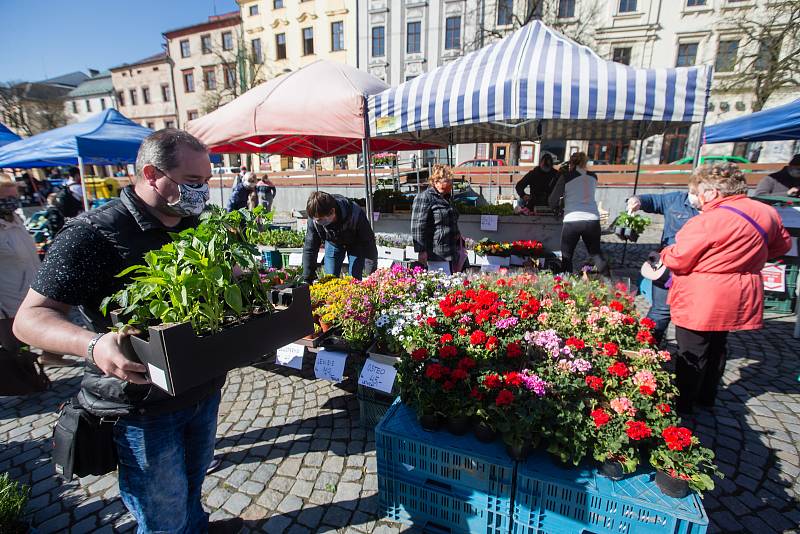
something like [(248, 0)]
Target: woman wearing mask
[(716, 264), (581, 216), (266, 192), (241, 192), (434, 223)]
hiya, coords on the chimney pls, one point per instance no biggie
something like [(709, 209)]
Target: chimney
[(93, 72)]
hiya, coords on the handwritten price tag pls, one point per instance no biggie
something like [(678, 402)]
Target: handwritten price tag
[(377, 375), (330, 365), (291, 356), (489, 223)]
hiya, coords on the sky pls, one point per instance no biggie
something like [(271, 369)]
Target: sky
[(42, 39)]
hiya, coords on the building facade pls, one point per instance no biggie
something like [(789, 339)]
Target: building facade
[(91, 97), (144, 92)]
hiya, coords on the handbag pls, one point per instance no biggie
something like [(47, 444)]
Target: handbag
[(21, 373), (83, 444)]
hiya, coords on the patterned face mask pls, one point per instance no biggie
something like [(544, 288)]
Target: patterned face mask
[(192, 199)]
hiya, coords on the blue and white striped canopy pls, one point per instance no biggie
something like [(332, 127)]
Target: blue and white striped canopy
[(536, 83)]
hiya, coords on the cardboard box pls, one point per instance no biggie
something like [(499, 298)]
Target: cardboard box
[(391, 253), (178, 360)]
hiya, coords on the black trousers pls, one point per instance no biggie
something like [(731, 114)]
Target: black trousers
[(699, 366), (589, 231)]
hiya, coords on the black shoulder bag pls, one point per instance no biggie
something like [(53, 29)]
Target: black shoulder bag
[(83, 444)]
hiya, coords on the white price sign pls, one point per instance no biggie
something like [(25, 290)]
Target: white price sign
[(443, 266), (291, 356), (377, 375), (330, 365), (384, 263), (489, 223)]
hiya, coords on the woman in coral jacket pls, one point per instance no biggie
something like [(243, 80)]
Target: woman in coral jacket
[(716, 266)]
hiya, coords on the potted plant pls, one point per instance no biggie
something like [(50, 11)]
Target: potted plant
[(682, 464), (392, 246), (494, 252), (13, 498), (628, 227)]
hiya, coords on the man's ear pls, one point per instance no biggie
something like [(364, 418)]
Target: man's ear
[(150, 174)]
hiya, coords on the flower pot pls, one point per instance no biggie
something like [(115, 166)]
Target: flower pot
[(325, 326), (518, 451), (631, 235), (672, 487), (430, 422), (611, 469), (484, 432), (619, 231), (458, 425)]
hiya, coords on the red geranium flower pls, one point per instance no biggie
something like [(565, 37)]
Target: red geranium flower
[(646, 390), (563, 295), (448, 385), (419, 354), (610, 349), (491, 343), (663, 408), (513, 378), (644, 336), (436, 371), (513, 350), (492, 381), (504, 398), (476, 394), (575, 343), (637, 430), (448, 351), (446, 338), (600, 417), (478, 337), (431, 321), (648, 323), (466, 363), (462, 331), (594, 382), (628, 320), (459, 374), (619, 369), (616, 305), (677, 438)]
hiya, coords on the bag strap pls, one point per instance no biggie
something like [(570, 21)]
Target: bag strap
[(749, 219)]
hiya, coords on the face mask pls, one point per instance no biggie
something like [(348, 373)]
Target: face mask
[(192, 200), (324, 221), (9, 204), (794, 172), (694, 201)]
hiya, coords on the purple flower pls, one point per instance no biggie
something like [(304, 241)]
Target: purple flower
[(506, 322), (580, 365), (532, 382)]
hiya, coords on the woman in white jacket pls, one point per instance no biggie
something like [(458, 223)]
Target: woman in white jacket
[(581, 216)]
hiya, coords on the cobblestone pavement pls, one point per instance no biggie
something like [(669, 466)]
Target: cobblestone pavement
[(295, 459)]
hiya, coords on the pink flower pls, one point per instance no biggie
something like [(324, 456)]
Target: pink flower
[(542, 318), (623, 405), (646, 379)]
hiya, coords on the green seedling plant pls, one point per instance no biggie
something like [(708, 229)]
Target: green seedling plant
[(636, 223)]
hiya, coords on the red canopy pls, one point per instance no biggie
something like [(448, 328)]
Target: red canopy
[(314, 112)]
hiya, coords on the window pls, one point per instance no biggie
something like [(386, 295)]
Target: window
[(452, 33), (505, 12), (133, 96), (74, 106), (227, 41), (253, 10), (627, 6), (337, 36), (205, 43), (767, 51), (145, 95), (103, 103), (165, 92), (695, 3), (169, 124), (414, 37), (209, 78), (280, 46), (622, 55), (566, 9), (230, 76), (191, 114), (277, 4), (121, 98), (378, 42), (726, 56), (687, 55), (308, 41), (185, 51), (151, 125), (188, 81), (258, 57)]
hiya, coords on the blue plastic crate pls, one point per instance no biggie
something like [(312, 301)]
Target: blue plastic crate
[(443, 508), (405, 449), (551, 499)]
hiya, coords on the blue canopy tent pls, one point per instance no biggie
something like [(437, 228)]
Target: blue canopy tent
[(776, 124), (108, 138), (7, 136)]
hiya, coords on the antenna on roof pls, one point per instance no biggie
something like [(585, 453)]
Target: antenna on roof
[(214, 5)]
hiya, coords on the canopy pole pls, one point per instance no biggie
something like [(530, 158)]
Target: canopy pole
[(365, 151), (83, 184), (635, 187), (221, 191), (316, 178), (700, 135)]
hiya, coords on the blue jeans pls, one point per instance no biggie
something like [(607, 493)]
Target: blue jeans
[(334, 258), (659, 312), (162, 464)]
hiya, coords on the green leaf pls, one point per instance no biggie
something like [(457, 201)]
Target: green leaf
[(233, 297), (158, 308)]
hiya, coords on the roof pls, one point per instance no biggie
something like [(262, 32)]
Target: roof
[(38, 91), (774, 124), (72, 79), (213, 22), (97, 85), (155, 58)]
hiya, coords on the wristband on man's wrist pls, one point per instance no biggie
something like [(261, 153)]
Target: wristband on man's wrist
[(90, 348)]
